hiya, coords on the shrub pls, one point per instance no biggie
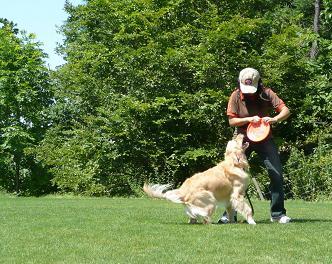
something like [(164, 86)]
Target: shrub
[(309, 174)]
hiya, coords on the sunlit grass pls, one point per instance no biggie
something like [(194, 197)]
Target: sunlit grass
[(119, 230)]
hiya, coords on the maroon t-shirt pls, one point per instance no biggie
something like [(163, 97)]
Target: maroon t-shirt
[(241, 105)]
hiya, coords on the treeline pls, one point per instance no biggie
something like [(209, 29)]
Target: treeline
[(144, 91)]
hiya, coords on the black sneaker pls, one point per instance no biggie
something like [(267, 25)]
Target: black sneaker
[(224, 218)]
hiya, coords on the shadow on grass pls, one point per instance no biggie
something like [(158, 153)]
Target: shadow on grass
[(311, 220), (297, 220), (265, 221)]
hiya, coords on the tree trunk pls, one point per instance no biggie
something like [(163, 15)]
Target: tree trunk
[(17, 175), (314, 47)]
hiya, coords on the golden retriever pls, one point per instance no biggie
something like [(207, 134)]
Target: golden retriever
[(224, 183)]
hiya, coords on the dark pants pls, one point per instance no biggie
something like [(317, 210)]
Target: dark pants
[(268, 152)]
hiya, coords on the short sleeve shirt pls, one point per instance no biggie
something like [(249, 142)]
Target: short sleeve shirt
[(240, 106)]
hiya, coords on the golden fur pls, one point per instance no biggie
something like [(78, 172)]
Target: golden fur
[(225, 183)]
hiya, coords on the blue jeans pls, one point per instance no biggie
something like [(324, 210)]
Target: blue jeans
[(268, 152)]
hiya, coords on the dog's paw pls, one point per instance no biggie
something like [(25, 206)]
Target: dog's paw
[(192, 221), (251, 222)]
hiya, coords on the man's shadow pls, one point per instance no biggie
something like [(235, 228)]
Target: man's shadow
[(298, 220)]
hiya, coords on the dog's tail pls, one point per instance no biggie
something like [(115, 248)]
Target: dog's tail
[(159, 191)]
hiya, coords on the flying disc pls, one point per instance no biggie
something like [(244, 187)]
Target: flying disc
[(258, 131)]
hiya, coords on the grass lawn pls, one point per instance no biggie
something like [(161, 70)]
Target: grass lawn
[(120, 230)]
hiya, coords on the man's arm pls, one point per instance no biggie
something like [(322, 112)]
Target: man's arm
[(283, 115), (241, 121)]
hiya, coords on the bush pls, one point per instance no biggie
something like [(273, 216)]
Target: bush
[(309, 174)]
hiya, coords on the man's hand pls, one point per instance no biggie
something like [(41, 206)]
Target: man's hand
[(254, 119), (270, 120)]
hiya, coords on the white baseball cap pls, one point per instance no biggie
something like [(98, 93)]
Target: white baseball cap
[(249, 79)]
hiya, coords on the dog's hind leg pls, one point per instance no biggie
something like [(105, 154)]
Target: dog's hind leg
[(192, 217), (202, 204)]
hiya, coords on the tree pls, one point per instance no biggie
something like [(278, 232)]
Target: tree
[(314, 47), (24, 93), (144, 91)]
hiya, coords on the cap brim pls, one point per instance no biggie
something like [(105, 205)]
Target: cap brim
[(248, 89)]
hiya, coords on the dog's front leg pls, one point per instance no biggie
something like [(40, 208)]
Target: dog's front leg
[(243, 208), (230, 213), (192, 221)]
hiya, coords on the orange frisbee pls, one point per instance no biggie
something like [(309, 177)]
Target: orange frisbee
[(258, 131)]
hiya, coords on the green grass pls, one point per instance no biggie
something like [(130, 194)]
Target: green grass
[(119, 230)]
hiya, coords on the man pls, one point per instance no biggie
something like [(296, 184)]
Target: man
[(250, 103)]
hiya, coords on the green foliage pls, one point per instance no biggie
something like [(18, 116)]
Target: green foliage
[(310, 173), (285, 68), (115, 152), (326, 19), (317, 110), (24, 94), (144, 93)]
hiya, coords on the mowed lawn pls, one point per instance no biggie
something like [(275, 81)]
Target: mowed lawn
[(130, 230)]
